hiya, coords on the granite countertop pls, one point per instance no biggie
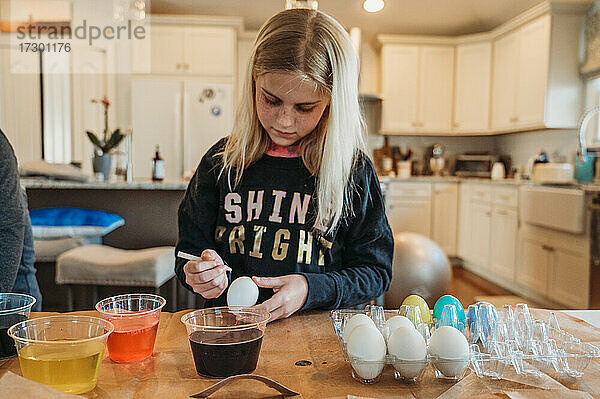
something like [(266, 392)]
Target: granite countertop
[(101, 185)]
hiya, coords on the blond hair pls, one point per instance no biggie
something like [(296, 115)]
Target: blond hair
[(315, 46)]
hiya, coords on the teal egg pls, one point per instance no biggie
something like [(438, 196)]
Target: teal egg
[(449, 300)]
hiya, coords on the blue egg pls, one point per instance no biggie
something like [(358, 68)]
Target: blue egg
[(449, 300)]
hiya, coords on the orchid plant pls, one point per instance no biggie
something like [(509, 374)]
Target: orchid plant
[(109, 141)]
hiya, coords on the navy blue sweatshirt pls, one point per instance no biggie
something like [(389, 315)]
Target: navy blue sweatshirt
[(264, 228)]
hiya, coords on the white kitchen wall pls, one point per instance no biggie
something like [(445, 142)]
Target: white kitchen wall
[(561, 144)]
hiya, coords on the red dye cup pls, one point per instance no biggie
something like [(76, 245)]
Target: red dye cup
[(135, 317)]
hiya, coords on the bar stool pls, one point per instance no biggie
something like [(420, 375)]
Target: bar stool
[(101, 265)]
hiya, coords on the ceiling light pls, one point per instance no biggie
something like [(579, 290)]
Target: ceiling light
[(373, 5)]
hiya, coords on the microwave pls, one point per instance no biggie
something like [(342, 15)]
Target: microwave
[(475, 165)]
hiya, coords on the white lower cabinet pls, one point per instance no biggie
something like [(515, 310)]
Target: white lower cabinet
[(429, 209), (533, 265), (409, 207), (488, 227), (555, 265), (505, 228), (444, 212), (481, 222)]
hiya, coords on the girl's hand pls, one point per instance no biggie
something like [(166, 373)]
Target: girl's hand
[(290, 294), (208, 276)]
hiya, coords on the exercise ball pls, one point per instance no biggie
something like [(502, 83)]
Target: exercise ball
[(420, 267)]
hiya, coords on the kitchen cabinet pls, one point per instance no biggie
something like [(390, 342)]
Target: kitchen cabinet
[(444, 216), (20, 102), (472, 87), (488, 229), (555, 265), (409, 207), (190, 50), (536, 81), (417, 87), (481, 222)]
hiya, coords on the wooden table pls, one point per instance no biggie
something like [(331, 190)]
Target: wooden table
[(170, 372)]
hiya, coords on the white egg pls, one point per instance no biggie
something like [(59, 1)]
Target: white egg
[(395, 322), (354, 322), (452, 349), (242, 292), (366, 348), (409, 347)]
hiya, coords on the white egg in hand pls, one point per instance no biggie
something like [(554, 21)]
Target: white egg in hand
[(366, 348), (355, 321), (242, 292), (409, 348), (452, 349)]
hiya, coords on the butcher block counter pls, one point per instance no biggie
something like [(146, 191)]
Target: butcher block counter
[(309, 337)]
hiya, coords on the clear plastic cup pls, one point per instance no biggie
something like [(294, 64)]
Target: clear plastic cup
[(135, 317), (62, 352), (225, 341), (14, 308)]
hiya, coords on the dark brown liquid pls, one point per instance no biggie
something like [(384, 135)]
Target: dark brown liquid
[(222, 354), (7, 344)]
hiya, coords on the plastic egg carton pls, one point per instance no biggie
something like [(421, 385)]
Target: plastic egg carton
[(368, 372), (512, 338)]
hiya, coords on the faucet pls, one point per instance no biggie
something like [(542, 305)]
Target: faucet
[(582, 126)]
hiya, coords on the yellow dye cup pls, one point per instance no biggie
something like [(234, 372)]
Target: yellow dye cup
[(62, 352)]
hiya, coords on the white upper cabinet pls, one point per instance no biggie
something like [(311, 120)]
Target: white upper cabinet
[(436, 80), (523, 75), (505, 77), (417, 84), (536, 82), (520, 76), (190, 50), (472, 87), (399, 81)]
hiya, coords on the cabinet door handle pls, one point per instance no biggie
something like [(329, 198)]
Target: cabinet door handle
[(501, 212), (488, 213), (186, 66), (178, 65), (456, 124), (514, 119), (414, 124), (547, 248)]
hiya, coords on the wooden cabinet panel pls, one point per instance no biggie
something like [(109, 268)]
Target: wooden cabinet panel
[(472, 87), (166, 51), (436, 83), (480, 235), (569, 279), (209, 51), (533, 265), (533, 62), (503, 242), (444, 216), (504, 87), (399, 82)]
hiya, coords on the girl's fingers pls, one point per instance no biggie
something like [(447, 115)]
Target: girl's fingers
[(269, 282), (199, 266)]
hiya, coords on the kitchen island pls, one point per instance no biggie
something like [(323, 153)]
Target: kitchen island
[(309, 336), (149, 208)]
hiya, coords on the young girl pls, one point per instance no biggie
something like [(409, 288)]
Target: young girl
[(290, 198)]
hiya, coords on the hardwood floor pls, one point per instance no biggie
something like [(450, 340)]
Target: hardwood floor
[(466, 286)]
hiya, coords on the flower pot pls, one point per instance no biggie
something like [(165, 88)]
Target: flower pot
[(102, 164)]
